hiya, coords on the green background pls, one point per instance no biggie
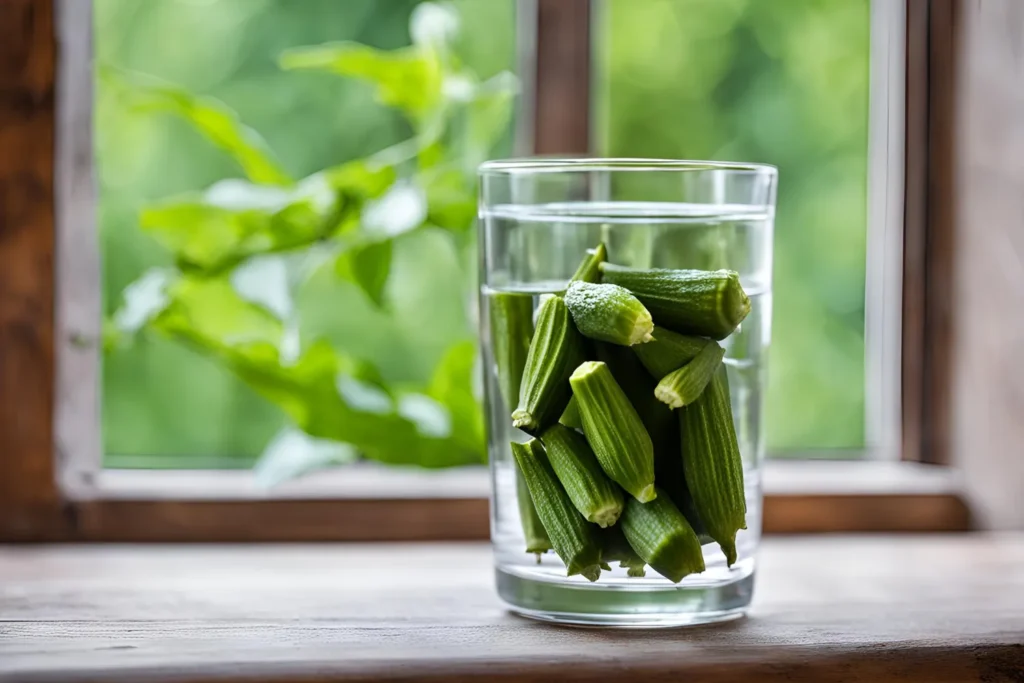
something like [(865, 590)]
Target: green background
[(783, 82)]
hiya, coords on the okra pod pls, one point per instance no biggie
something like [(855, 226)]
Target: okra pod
[(608, 313), (556, 350), (589, 269), (614, 429), (668, 351), (617, 549), (712, 463), (511, 315), (709, 303), (574, 539), (537, 540), (596, 497), (682, 387), (661, 536), (571, 415)]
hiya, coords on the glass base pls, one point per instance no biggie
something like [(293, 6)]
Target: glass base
[(661, 606)]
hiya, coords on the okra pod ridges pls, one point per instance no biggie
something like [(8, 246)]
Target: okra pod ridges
[(707, 303), (614, 429), (660, 534), (574, 539), (608, 313), (682, 387), (511, 319), (595, 496), (536, 538), (713, 465), (556, 349)]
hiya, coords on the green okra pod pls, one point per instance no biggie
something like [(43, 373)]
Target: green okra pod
[(571, 415), (608, 313), (668, 351), (511, 318), (639, 387), (617, 549), (589, 269), (682, 387), (536, 537), (614, 429), (556, 350), (708, 303), (712, 463), (596, 497), (661, 536), (574, 539)]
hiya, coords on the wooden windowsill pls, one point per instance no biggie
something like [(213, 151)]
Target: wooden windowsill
[(838, 608), (372, 503)]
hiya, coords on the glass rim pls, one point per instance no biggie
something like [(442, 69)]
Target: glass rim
[(529, 165)]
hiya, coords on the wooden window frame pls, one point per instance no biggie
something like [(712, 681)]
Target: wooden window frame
[(49, 458)]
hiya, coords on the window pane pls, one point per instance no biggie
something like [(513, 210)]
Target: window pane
[(784, 83), (174, 401)]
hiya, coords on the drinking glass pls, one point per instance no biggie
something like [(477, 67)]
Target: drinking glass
[(538, 217)]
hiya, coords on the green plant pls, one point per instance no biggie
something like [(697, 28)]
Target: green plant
[(245, 249)]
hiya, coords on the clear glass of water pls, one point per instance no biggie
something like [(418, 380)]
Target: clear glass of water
[(537, 219)]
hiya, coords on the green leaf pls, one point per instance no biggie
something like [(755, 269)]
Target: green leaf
[(210, 313), (452, 386), (365, 178), (409, 79), (367, 265), (209, 117), (293, 453), (323, 393), (488, 117), (234, 219), (451, 199)]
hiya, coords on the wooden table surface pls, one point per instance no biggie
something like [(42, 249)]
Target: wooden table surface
[(827, 608)]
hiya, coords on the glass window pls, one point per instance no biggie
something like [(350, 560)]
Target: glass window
[(784, 83), (205, 111)]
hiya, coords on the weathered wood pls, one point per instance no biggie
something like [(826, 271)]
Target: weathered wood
[(986, 415), (366, 503), (562, 77), (929, 240), (27, 78), (858, 608)]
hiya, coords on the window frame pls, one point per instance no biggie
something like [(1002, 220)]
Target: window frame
[(51, 488)]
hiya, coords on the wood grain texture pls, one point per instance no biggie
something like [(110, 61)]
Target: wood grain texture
[(562, 80), (27, 58), (366, 503), (929, 236), (986, 422), (842, 608)]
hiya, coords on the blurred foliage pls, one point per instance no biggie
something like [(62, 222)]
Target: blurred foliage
[(348, 269), (783, 82), (339, 294)]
